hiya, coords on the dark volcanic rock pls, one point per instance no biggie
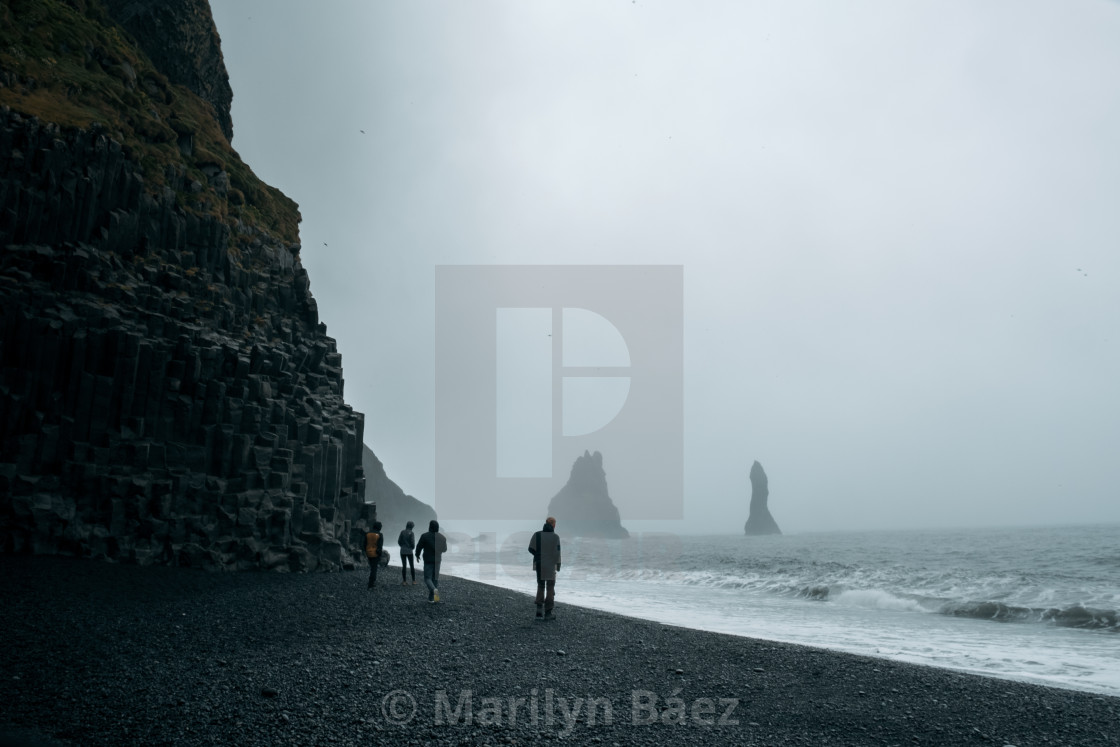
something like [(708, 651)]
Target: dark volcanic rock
[(583, 505), (760, 521), (158, 656), (394, 507), (167, 392), (180, 38)]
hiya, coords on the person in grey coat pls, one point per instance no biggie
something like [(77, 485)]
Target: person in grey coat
[(545, 548)]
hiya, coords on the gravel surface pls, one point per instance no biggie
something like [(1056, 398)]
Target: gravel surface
[(102, 654)]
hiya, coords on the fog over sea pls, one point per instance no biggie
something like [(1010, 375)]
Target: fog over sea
[(1037, 604)]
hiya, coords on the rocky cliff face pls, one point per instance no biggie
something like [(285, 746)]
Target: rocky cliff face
[(180, 39), (583, 507), (759, 521), (394, 507), (167, 392)]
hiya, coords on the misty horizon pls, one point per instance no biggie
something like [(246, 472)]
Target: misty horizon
[(896, 225)]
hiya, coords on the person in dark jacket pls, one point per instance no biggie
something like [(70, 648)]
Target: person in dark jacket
[(374, 542), (545, 548), (407, 543), (431, 547)]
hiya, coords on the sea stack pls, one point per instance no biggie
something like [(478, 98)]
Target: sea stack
[(760, 521), (583, 508)]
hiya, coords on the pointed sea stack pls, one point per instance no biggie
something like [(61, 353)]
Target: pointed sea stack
[(760, 521), (583, 508)]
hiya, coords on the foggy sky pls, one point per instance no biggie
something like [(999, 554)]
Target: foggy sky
[(898, 225)]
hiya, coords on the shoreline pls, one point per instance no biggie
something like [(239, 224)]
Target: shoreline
[(1052, 625), (1025, 679), (110, 654)]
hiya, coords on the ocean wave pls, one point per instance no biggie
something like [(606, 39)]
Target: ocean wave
[(865, 590), (877, 599), (1074, 616), (972, 582), (1068, 616)]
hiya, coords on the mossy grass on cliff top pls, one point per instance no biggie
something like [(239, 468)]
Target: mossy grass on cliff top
[(67, 62)]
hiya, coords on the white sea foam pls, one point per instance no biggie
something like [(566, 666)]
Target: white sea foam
[(874, 594), (877, 599)]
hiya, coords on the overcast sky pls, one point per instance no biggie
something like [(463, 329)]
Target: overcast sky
[(898, 223)]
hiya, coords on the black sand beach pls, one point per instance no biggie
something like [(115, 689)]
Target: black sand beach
[(101, 654)]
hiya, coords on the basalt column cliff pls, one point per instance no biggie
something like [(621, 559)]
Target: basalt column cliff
[(167, 392)]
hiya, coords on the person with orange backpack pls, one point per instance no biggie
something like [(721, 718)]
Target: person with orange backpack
[(374, 543)]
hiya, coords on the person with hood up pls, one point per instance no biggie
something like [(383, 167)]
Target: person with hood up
[(431, 547), (407, 543), (545, 548)]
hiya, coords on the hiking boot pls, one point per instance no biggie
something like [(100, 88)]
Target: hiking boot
[(548, 615), (435, 595)]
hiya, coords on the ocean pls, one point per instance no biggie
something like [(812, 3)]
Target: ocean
[(1033, 604)]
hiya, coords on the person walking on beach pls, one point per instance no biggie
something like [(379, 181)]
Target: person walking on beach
[(545, 547), (374, 543), (407, 543), (431, 547)]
